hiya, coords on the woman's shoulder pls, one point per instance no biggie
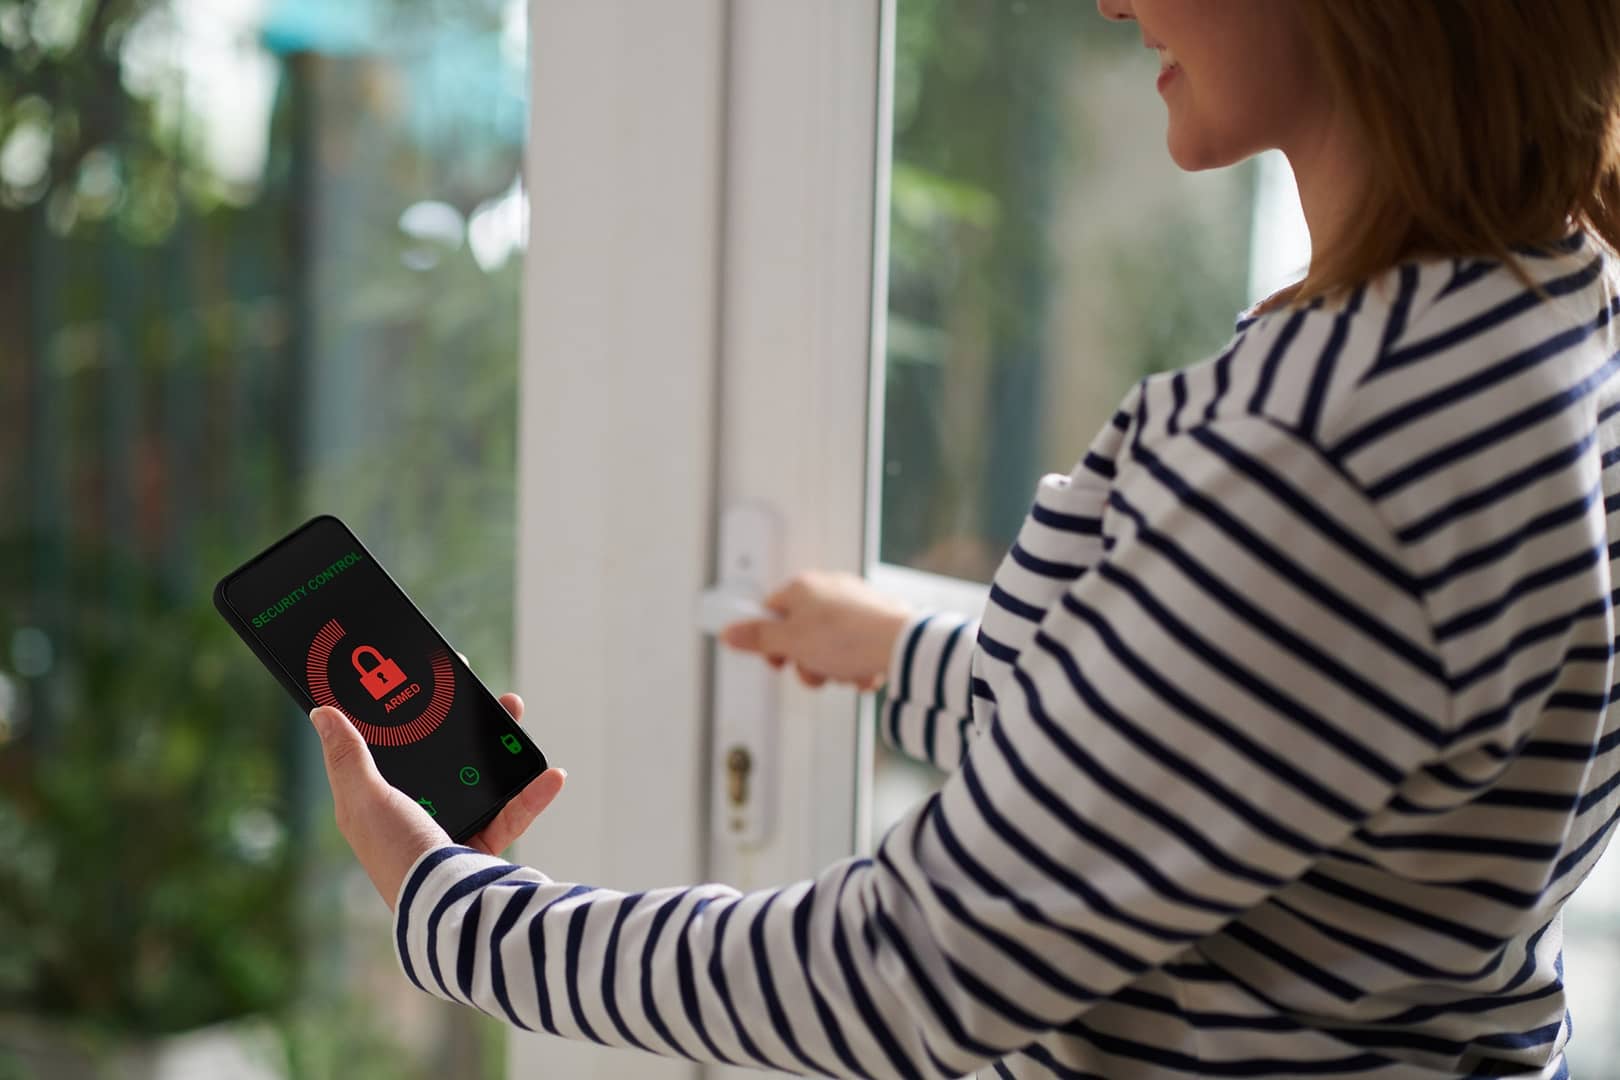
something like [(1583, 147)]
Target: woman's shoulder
[(1395, 343)]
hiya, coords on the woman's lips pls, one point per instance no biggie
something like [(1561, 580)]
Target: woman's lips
[(1168, 75)]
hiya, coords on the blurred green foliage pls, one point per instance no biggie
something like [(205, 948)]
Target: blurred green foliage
[(1001, 116), (191, 364), (147, 881)]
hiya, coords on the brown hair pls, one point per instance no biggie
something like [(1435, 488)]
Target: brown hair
[(1491, 125)]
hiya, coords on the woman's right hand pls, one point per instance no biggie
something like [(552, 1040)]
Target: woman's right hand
[(833, 625)]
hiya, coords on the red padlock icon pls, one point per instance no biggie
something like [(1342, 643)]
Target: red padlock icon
[(382, 677)]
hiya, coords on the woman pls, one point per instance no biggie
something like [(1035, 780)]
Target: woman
[(1284, 735)]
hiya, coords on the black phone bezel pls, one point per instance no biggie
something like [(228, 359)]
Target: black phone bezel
[(300, 695)]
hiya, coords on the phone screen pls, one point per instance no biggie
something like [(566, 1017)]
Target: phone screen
[(336, 630)]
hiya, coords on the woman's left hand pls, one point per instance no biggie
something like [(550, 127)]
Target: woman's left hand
[(386, 828)]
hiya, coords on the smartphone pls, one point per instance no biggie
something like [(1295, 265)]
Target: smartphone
[(321, 613)]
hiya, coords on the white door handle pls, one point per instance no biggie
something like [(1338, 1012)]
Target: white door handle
[(719, 607), (743, 772)]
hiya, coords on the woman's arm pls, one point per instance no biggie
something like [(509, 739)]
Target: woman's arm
[(1243, 679), (928, 698)]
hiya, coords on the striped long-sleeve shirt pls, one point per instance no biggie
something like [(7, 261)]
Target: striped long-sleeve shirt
[(1277, 749)]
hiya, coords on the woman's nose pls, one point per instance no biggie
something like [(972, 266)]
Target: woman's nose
[(1115, 9)]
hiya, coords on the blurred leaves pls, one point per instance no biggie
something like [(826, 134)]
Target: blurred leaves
[(129, 899), (168, 342)]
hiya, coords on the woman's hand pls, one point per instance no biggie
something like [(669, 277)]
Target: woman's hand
[(834, 625), (386, 828)]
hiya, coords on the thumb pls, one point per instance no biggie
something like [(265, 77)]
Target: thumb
[(347, 757)]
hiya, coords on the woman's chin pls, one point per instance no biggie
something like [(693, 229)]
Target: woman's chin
[(1194, 153)]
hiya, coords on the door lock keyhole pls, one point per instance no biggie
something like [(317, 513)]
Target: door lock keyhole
[(739, 764)]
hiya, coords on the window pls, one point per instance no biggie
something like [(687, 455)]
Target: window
[(270, 255), (1044, 254)]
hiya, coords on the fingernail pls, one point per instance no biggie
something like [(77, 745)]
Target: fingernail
[(320, 718)]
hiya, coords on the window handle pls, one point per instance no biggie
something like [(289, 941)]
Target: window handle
[(743, 788)]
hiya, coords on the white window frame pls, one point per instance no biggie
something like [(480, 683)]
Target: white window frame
[(703, 302), (616, 448)]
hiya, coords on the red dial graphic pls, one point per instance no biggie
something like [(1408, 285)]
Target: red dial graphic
[(400, 734)]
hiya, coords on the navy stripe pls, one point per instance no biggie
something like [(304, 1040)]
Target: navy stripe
[(910, 658), (907, 663), (722, 990), (1044, 567), (1467, 935), (1504, 312), (1035, 856), (981, 990), (1575, 857), (515, 907), (864, 1005), (1465, 272), (767, 988), (1497, 491), (945, 655), (1574, 510), (1455, 394), (1293, 710), (1597, 795), (1002, 598), (649, 1005), (467, 949), (1149, 875), (413, 885), (1530, 688), (1091, 834), (1223, 376), (1099, 465), (894, 937), (1400, 310), (1322, 376), (1303, 506), (457, 892), (537, 957), (1492, 846), (1288, 639), (1268, 373), (686, 980), (1491, 609), (1390, 957), (1033, 963), (1493, 435), (829, 1023), (1253, 939), (610, 969), (571, 949), (1178, 396), (1073, 523), (1341, 605), (995, 649)]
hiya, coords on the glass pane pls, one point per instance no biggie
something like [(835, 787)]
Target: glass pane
[(262, 259), (1045, 253)]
